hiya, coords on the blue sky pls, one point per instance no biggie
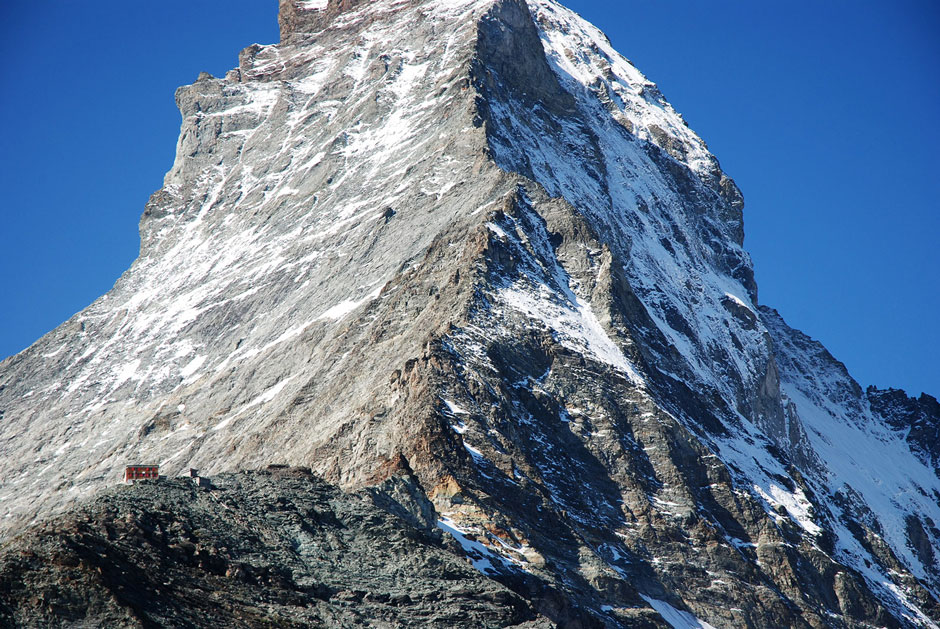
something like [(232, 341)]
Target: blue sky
[(825, 113)]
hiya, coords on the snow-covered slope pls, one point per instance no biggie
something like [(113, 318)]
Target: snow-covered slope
[(468, 241), (878, 493)]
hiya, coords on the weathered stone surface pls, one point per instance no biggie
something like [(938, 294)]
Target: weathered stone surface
[(260, 549), (467, 243)]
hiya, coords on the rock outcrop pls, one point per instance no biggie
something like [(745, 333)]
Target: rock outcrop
[(467, 241), (262, 549), (919, 417)]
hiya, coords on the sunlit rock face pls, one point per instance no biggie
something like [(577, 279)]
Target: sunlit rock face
[(468, 242)]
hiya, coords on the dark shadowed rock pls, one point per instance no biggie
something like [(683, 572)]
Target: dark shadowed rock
[(260, 549)]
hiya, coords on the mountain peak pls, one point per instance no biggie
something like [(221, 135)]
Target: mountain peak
[(311, 16), (468, 240)]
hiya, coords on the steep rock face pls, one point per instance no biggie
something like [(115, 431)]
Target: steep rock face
[(467, 239), (920, 417), (883, 498)]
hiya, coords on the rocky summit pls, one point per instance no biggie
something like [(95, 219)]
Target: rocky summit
[(462, 267)]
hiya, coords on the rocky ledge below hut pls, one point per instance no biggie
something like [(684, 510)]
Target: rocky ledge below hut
[(277, 547)]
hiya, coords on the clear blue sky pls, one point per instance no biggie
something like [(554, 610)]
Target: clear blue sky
[(827, 114)]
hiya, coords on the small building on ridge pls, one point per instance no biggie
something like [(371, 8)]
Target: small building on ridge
[(138, 472)]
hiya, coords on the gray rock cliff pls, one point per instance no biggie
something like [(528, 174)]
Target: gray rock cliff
[(466, 239)]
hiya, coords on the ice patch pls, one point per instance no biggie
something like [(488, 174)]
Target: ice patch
[(265, 397), (192, 367), (453, 408), (738, 301), (55, 353), (795, 502), (476, 454), (576, 325), (183, 348), (481, 556), (676, 618), (342, 309), (496, 229), (126, 372), (312, 5)]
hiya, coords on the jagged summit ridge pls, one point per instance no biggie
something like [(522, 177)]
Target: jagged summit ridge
[(469, 240), (308, 17)]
